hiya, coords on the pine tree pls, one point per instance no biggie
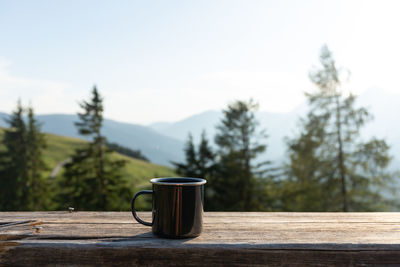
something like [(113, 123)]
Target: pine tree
[(200, 163), (92, 180), (330, 168), (37, 183), (13, 163), (190, 167), (235, 184), (22, 186), (306, 188)]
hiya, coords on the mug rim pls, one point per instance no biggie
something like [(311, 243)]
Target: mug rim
[(162, 181)]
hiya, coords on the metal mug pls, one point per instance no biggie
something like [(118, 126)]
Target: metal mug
[(177, 207)]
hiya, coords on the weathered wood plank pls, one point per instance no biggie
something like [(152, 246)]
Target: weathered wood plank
[(377, 233), (100, 256), (92, 238)]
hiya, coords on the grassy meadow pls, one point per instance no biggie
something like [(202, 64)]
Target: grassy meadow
[(137, 173)]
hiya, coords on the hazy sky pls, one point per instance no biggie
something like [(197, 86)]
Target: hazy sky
[(166, 60)]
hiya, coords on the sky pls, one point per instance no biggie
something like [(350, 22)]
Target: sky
[(166, 60)]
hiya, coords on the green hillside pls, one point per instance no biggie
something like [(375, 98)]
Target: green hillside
[(137, 172)]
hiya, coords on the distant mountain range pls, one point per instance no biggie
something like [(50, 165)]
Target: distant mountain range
[(384, 106), (277, 125), (163, 142), (159, 148)]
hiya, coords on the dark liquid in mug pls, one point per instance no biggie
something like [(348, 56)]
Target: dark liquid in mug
[(179, 181)]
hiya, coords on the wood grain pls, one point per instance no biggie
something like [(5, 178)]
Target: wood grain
[(228, 238)]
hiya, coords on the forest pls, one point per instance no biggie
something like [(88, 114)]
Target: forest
[(328, 167)]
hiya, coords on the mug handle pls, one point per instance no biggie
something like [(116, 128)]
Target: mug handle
[(144, 192)]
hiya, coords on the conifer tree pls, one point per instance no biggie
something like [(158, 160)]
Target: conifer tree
[(330, 168), (93, 180), (13, 163), (235, 183), (37, 183), (22, 185), (190, 167), (199, 162)]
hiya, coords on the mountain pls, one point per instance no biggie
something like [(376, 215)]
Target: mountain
[(277, 125), (3, 117), (158, 148), (194, 124), (383, 105), (163, 142), (159, 126)]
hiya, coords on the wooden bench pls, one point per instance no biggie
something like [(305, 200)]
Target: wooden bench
[(229, 238)]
